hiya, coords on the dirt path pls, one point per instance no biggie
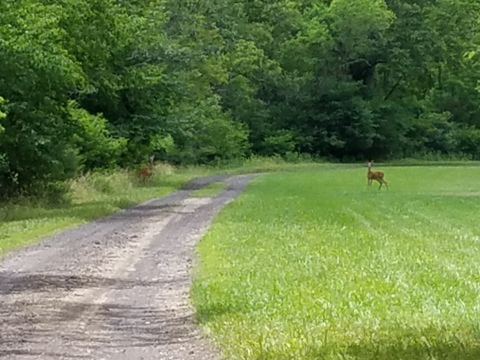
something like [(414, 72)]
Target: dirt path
[(117, 288)]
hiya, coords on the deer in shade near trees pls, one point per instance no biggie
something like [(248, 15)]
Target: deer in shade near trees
[(147, 171), (375, 175)]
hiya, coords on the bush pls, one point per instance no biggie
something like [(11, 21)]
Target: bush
[(280, 143), (467, 141), (206, 135), (97, 148)]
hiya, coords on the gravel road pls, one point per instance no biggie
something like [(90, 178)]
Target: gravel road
[(116, 288)]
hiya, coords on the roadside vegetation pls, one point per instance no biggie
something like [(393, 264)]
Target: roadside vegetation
[(88, 197), (314, 265)]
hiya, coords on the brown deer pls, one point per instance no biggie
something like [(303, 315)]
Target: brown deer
[(375, 175), (147, 171)]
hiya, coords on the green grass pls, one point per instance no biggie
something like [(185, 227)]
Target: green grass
[(95, 195), (313, 265), (209, 190)]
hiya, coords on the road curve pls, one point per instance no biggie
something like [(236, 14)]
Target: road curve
[(116, 288)]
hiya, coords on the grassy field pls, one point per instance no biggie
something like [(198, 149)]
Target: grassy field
[(95, 195), (313, 265)]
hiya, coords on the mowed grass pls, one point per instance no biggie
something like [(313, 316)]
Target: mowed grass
[(313, 265)]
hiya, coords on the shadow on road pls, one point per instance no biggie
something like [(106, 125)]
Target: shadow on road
[(109, 326), (17, 283), (47, 326)]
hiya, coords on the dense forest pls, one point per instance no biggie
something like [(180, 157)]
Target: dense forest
[(99, 84)]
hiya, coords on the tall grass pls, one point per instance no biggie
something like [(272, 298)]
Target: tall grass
[(89, 197), (313, 265)]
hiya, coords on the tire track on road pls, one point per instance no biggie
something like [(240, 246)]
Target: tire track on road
[(117, 288)]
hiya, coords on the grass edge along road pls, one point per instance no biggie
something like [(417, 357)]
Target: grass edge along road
[(100, 194), (314, 265)]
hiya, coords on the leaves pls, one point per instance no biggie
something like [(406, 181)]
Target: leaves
[(104, 83)]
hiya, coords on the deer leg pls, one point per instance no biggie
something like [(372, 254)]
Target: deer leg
[(385, 183), (382, 181)]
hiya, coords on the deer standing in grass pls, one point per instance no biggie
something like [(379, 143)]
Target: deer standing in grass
[(146, 172), (375, 175)]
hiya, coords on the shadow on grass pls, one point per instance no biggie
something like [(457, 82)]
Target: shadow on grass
[(204, 315), (48, 326), (379, 351), (427, 343), (413, 346)]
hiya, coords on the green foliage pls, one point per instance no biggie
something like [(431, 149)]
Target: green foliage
[(432, 131), (467, 141), (206, 82), (96, 147), (205, 135), (280, 143), (359, 28)]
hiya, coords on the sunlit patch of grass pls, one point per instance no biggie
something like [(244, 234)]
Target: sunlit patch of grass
[(209, 190), (314, 265)]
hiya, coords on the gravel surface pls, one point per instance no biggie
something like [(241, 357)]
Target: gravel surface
[(116, 288)]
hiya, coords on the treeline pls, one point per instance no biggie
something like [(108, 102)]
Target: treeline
[(92, 84)]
